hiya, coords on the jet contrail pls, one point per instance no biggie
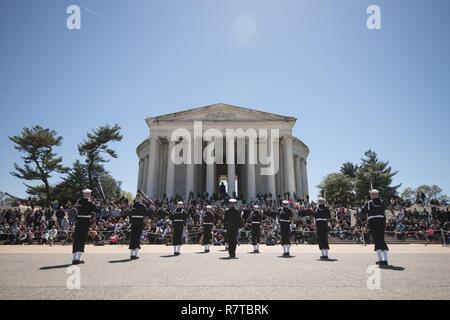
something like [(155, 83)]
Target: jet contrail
[(93, 12)]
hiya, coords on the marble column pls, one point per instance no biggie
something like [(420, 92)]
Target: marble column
[(170, 177), (231, 167), (152, 180), (145, 174), (190, 168), (271, 177), (289, 166), (298, 176), (304, 177), (251, 154), (210, 176), (141, 174)]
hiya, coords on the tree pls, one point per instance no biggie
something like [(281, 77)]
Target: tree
[(111, 187), (435, 191), (349, 169), (69, 189), (127, 195), (423, 189), (408, 194), (40, 162), (376, 174), (338, 188), (95, 146)]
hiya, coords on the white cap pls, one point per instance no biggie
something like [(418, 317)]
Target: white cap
[(87, 191), (208, 207), (232, 200), (180, 202), (256, 206), (285, 202), (321, 199), (374, 191)]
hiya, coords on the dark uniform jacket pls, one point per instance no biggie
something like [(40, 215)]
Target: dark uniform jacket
[(139, 210), (285, 215), (373, 208), (256, 216), (322, 212), (178, 215), (85, 208), (232, 219), (208, 217)]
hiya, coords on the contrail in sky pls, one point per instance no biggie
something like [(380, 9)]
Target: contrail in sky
[(93, 12)]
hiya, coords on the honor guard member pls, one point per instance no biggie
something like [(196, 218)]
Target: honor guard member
[(137, 214), (232, 221), (284, 217), (374, 209), (256, 218), (85, 209), (208, 223), (178, 218), (322, 215)]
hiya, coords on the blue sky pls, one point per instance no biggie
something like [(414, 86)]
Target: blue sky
[(350, 88)]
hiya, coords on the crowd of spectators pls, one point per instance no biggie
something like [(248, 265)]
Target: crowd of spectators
[(111, 224)]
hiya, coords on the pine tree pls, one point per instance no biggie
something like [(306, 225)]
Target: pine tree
[(375, 174), (40, 162)]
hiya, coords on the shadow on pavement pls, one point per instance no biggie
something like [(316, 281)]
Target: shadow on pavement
[(61, 266), (328, 260), (119, 261), (286, 257), (168, 256), (228, 258), (394, 268)]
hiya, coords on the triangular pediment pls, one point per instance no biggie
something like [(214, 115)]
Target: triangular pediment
[(221, 112)]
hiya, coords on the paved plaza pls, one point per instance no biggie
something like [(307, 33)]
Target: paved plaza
[(40, 272)]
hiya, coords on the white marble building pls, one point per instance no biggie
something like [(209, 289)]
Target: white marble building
[(158, 175)]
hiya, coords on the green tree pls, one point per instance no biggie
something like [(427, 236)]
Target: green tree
[(111, 187), (408, 194), (69, 189), (40, 162), (425, 189), (127, 195), (338, 188), (435, 191), (373, 173), (349, 169), (95, 147)]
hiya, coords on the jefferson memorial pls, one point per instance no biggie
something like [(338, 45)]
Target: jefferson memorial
[(160, 175)]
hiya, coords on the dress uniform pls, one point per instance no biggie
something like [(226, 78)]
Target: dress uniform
[(376, 218), (178, 218), (256, 218), (284, 217), (208, 223), (232, 221), (85, 210), (322, 215), (137, 214)]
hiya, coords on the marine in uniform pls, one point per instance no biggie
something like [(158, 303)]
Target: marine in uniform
[(232, 221), (284, 218), (136, 215), (374, 209), (322, 215), (208, 223), (85, 209), (255, 218), (178, 218)]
